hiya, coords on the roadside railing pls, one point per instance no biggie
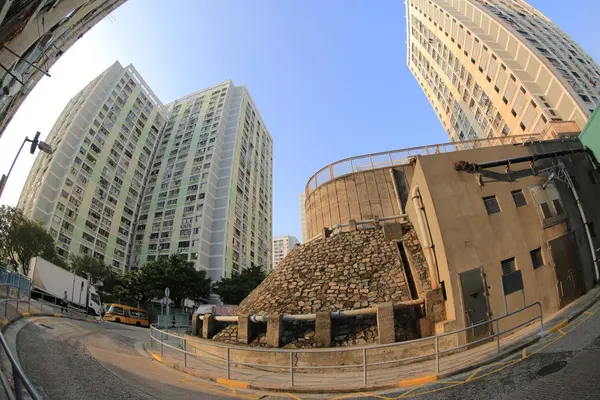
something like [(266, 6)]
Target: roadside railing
[(315, 367), (402, 157), (19, 378), (20, 281)]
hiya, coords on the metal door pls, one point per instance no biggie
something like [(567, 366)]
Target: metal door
[(567, 269), (472, 284)]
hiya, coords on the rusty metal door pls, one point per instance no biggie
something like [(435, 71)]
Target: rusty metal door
[(569, 277), (472, 284)]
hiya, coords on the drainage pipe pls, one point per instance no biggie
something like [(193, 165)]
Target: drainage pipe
[(311, 317), (427, 243), (396, 190)]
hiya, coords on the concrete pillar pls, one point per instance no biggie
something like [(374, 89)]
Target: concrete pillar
[(435, 308), (244, 332), (274, 330), (196, 325), (209, 326), (392, 231), (425, 327), (352, 225), (323, 329), (385, 323)]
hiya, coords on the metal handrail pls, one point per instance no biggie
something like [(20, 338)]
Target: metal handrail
[(316, 180), (160, 336)]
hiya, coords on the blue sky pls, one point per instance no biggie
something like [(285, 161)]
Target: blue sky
[(329, 77)]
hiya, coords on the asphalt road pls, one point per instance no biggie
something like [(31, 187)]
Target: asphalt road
[(68, 359)]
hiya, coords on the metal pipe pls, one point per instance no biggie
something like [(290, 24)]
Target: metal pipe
[(585, 221), (426, 240), (467, 166)]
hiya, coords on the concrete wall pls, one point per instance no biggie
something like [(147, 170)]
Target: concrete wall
[(358, 196), (466, 237), (590, 136)]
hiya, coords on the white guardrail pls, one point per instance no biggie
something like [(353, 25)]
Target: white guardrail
[(294, 363)]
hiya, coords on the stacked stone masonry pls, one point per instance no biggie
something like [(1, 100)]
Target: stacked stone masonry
[(349, 270)]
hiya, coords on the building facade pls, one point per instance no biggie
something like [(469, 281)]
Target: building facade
[(303, 217), (88, 192), (37, 33), (500, 226), (497, 68), (282, 245), (209, 193)]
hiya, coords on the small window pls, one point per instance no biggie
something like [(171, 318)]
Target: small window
[(558, 207), (519, 198), (508, 266), (491, 205), (546, 210), (536, 258)]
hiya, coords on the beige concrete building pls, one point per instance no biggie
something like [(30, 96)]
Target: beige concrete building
[(35, 34), (500, 226), (497, 68)]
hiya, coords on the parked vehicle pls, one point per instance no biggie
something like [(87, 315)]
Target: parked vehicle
[(123, 314), (50, 282)]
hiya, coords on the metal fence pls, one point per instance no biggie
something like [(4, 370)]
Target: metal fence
[(402, 157), (314, 367), (19, 281)]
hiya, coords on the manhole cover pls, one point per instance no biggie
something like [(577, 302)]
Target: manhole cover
[(552, 368)]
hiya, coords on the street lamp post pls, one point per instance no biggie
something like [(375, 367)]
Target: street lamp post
[(35, 144)]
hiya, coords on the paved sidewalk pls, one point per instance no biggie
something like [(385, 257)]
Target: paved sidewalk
[(351, 379)]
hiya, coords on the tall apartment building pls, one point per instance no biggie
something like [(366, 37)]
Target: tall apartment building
[(282, 245), (497, 68), (89, 190), (303, 217), (209, 192), (37, 33), (192, 178)]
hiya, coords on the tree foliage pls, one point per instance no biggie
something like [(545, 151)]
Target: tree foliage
[(22, 238), (235, 289), (180, 276), (100, 274), (131, 287)]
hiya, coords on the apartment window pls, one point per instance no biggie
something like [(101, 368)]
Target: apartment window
[(508, 266), (519, 198), (491, 205), (546, 210), (558, 206), (536, 258)]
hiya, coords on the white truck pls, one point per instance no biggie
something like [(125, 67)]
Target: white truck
[(53, 281)]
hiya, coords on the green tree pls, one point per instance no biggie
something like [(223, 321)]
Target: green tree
[(22, 238), (179, 276), (131, 287), (99, 273), (236, 288)]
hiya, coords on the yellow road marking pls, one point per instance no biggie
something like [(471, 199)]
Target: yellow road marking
[(562, 332), (376, 395), (418, 381), (232, 383), (558, 326), (589, 313), (500, 363), (524, 353), (58, 315), (473, 374), (293, 396), (206, 388), (410, 391), (187, 378), (25, 314), (4, 322), (157, 357)]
